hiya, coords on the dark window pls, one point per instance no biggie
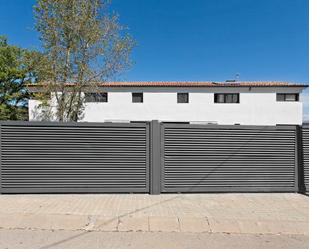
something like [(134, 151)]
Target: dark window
[(96, 97), (280, 97), (287, 97), (226, 97), (182, 97), (137, 97)]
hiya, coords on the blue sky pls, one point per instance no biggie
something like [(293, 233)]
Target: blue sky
[(181, 40)]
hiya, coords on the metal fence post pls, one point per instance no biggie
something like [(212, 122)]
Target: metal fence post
[(155, 165), (300, 160)]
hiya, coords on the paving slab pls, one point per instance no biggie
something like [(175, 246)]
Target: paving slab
[(194, 225), (101, 223), (303, 228), (39, 221), (163, 224), (251, 227), (285, 227), (224, 226), (135, 224)]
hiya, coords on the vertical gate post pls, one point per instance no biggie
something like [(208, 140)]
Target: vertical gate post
[(155, 161), (300, 160)]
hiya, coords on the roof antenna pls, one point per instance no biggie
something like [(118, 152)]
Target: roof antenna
[(236, 78)]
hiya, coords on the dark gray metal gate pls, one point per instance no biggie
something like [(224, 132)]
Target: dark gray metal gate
[(205, 158), (74, 157), (45, 157), (305, 156)]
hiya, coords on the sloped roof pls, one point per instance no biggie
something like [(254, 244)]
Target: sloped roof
[(197, 84), (192, 84)]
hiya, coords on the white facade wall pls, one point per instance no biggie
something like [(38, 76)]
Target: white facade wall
[(258, 106)]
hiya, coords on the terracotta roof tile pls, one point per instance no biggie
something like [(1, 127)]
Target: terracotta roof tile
[(194, 84)]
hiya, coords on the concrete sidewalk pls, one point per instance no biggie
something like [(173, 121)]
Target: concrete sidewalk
[(190, 213)]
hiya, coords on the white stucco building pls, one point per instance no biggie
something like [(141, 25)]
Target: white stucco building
[(244, 103)]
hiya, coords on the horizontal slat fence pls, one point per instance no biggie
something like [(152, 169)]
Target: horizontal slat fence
[(201, 158), (47, 157), (63, 158)]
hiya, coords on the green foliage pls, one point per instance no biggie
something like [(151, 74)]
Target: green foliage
[(11, 112), (13, 77), (18, 67), (85, 45)]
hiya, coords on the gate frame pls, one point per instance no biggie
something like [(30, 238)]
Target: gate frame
[(304, 173), (155, 155)]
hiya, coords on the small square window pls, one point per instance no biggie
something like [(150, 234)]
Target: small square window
[(137, 97), (96, 97), (182, 97)]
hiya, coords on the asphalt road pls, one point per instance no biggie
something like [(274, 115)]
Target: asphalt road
[(46, 239)]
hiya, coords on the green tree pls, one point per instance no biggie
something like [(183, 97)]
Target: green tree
[(85, 45), (15, 72)]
